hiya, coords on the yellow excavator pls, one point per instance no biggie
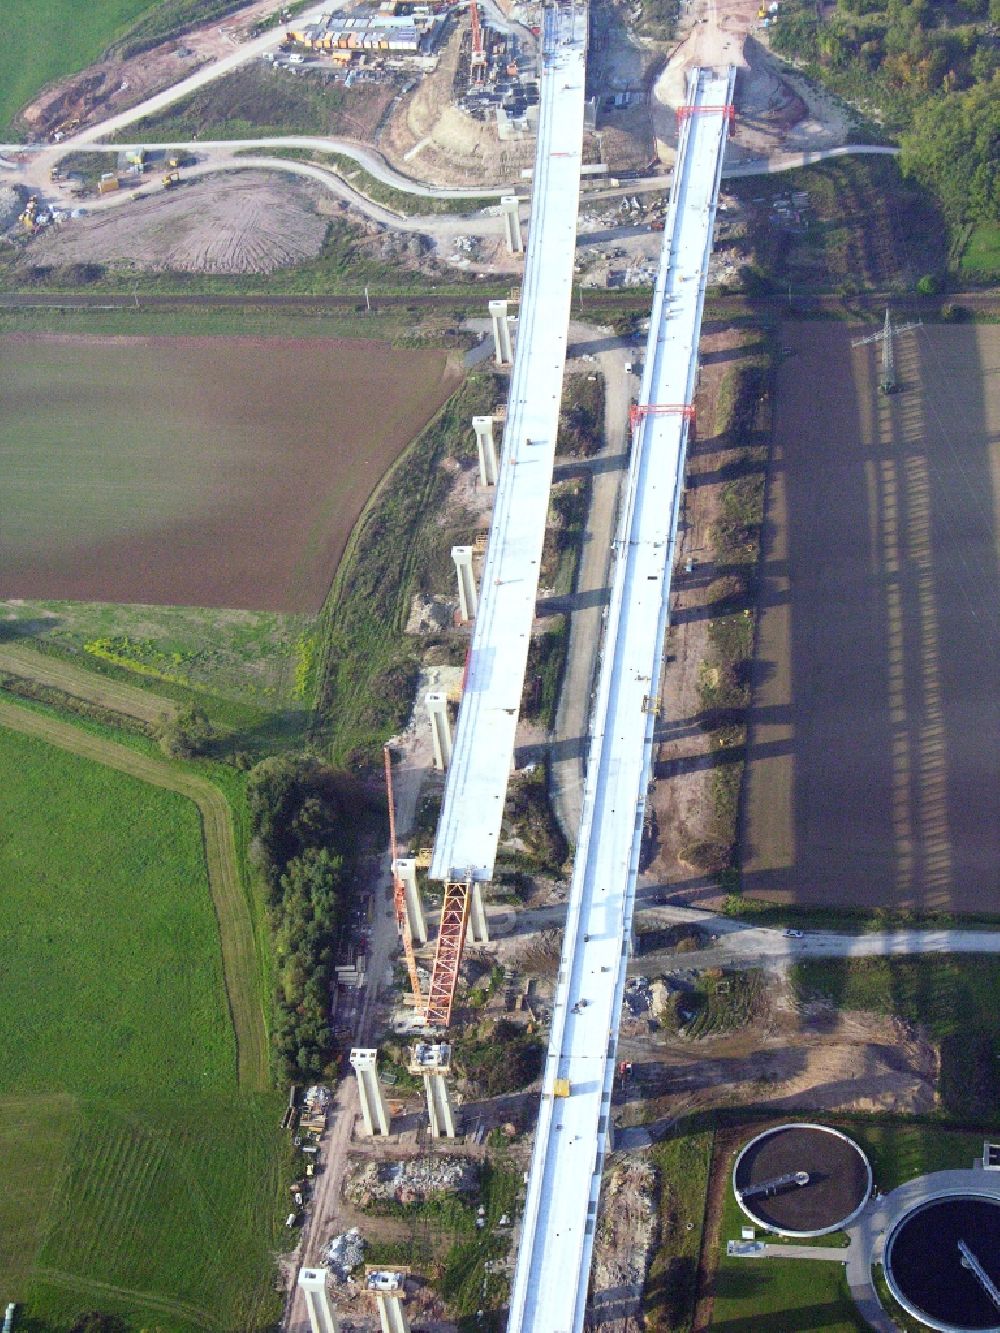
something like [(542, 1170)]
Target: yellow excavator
[(29, 218)]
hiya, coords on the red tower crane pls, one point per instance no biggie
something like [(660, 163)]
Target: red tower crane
[(478, 54)]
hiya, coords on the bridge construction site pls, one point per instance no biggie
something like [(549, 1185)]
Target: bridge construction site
[(573, 1131)]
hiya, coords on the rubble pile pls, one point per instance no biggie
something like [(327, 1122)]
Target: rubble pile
[(344, 1253), (626, 1235), (10, 206), (414, 1181)]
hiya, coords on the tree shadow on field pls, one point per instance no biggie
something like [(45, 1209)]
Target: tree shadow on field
[(880, 631), (20, 631)]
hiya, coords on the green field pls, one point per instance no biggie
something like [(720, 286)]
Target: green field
[(981, 256), (683, 1165), (134, 1177), (106, 897), (781, 1295), (47, 39)]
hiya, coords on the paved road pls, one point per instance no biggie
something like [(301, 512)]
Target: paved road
[(367, 157), (440, 226), (740, 945)]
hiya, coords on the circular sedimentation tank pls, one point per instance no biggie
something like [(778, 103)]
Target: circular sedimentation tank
[(941, 1260), (801, 1179)]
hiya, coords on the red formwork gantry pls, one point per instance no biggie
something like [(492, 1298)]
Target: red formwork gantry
[(448, 955), (639, 410), (687, 111)]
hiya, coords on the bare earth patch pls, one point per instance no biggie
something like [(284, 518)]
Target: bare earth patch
[(111, 86), (249, 222), (198, 471), (681, 798), (627, 1227), (808, 1057), (873, 776)]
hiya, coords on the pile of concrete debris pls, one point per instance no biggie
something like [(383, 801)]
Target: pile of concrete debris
[(344, 1253), (412, 1181), (11, 203)]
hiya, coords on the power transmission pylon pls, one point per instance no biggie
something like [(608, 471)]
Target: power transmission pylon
[(887, 383)]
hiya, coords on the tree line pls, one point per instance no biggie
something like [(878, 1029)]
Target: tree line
[(932, 73), (303, 824)]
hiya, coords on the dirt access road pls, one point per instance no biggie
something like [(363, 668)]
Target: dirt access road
[(589, 598), (20, 660)]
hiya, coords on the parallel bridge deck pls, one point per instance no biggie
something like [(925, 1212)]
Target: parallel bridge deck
[(553, 1267), (483, 750)]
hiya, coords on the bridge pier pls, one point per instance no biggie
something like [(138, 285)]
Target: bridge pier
[(406, 869), (468, 596), (433, 1062), (488, 464), (437, 707), (312, 1282), (391, 1314), (512, 223), (501, 333), (479, 931), (373, 1108)]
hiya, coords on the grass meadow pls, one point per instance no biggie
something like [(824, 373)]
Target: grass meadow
[(47, 39), (106, 898), (134, 1177)]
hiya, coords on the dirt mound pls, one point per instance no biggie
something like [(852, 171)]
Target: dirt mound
[(252, 222)]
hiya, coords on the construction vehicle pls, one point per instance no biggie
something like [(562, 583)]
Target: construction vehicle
[(171, 179), (29, 218)]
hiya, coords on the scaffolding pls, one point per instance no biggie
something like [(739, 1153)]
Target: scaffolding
[(448, 955)]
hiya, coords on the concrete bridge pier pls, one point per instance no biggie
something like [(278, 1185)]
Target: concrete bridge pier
[(501, 333)]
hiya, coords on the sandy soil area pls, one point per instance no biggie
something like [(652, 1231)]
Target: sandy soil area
[(874, 777), (112, 86), (248, 222), (793, 1057)]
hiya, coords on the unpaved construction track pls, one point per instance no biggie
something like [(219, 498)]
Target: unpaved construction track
[(22, 661), (239, 954)]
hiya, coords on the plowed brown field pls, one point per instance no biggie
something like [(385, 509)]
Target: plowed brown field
[(197, 471), (874, 776)]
